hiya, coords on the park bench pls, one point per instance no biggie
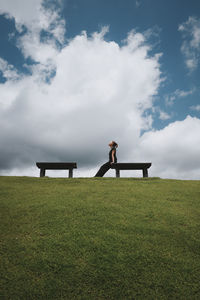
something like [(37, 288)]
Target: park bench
[(43, 166), (131, 166)]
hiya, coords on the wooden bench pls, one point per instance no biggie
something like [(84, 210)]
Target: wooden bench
[(131, 166), (43, 166)]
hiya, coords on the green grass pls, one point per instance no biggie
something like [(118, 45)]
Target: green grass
[(93, 238)]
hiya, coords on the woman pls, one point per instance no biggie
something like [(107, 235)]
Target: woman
[(112, 159)]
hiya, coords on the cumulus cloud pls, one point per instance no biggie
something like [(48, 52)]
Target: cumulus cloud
[(24, 12), (99, 91), (8, 71), (35, 16), (191, 42), (173, 150), (42, 30)]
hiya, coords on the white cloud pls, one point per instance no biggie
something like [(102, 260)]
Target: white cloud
[(100, 92), (43, 28), (191, 42), (195, 107), (173, 151), (8, 71), (181, 93), (164, 116), (169, 99), (137, 3), (35, 16), (24, 12)]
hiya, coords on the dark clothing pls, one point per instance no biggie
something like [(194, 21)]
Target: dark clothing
[(110, 155), (105, 167)]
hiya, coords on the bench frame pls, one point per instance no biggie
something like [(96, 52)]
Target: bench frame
[(131, 166), (43, 166)]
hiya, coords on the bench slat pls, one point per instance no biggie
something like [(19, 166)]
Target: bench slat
[(56, 165), (131, 166)]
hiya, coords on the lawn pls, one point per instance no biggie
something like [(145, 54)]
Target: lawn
[(99, 238)]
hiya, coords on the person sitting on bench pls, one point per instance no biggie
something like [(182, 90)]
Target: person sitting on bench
[(112, 159)]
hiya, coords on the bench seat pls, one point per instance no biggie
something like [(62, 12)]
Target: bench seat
[(131, 166), (43, 166)]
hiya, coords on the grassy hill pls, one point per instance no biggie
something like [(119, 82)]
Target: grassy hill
[(99, 238)]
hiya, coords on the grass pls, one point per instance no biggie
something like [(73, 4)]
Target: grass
[(93, 238)]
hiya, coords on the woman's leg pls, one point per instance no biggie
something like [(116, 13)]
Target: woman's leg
[(104, 168)]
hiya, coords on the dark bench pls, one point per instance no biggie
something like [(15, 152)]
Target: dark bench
[(131, 166), (43, 166)]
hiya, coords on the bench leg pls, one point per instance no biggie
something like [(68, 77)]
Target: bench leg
[(42, 172), (117, 173), (145, 173), (70, 173)]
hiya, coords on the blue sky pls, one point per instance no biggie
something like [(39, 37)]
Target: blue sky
[(170, 29)]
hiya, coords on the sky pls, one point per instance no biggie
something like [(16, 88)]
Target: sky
[(76, 74)]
